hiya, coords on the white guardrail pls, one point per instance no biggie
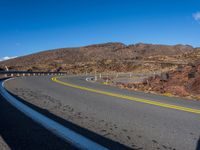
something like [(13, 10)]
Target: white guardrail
[(28, 73), (77, 140)]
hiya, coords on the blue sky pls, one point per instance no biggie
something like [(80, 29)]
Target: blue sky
[(28, 26)]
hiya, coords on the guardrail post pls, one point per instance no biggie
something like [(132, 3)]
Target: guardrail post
[(95, 78), (107, 81), (130, 75)]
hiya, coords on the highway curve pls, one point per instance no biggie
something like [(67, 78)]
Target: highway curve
[(134, 119)]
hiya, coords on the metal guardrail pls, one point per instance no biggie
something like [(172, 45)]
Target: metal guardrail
[(128, 77), (75, 139), (28, 73)]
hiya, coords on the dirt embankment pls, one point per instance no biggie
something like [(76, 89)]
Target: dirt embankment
[(184, 81)]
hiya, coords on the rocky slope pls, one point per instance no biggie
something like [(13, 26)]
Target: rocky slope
[(100, 57), (184, 81)]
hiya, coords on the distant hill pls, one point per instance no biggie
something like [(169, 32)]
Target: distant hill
[(100, 57)]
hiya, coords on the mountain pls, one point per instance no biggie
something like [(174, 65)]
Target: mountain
[(181, 62), (98, 57)]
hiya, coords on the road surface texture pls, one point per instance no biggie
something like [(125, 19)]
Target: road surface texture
[(18, 132), (134, 124)]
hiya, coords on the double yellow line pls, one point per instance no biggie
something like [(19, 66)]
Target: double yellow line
[(186, 109)]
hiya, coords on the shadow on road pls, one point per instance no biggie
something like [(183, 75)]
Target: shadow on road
[(30, 135), (21, 133), (198, 144)]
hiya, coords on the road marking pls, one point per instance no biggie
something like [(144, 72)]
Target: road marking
[(160, 104), (77, 140)]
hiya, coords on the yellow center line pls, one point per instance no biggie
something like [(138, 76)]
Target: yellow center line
[(141, 100)]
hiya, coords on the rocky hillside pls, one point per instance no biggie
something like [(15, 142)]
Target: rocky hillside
[(99, 57), (181, 62), (184, 81)]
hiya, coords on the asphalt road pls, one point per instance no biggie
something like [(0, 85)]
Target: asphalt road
[(133, 124), (18, 132)]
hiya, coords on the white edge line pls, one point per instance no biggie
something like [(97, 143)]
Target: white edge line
[(70, 136)]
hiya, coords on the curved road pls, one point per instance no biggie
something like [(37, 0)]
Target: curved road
[(134, 119)]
